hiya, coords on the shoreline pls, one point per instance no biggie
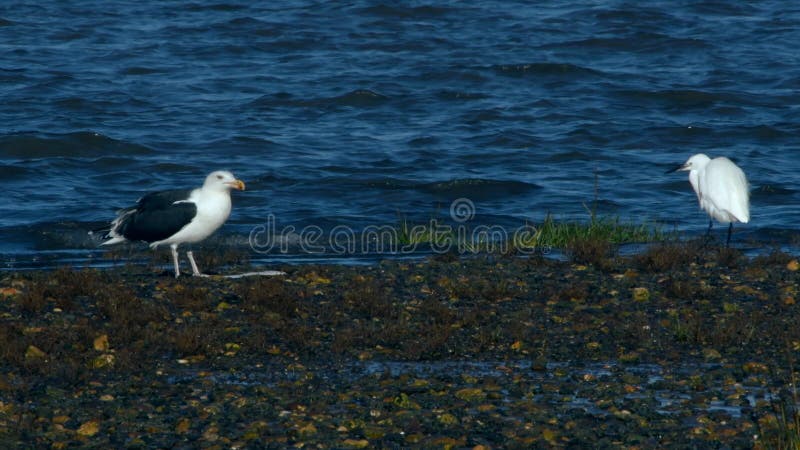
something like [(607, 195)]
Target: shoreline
[(677, 346)]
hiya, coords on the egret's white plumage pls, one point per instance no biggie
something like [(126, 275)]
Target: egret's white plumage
[(176, 217), (721, 187)]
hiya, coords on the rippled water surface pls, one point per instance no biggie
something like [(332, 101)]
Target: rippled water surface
[(361, 113)]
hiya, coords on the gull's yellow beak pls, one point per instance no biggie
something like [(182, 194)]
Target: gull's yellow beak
[(237, 184)]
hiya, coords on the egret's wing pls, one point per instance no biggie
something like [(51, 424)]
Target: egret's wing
[(739, 193), (725, 187)]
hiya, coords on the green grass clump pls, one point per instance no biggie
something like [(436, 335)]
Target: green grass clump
[(550, 234), (781, 431), (414, 234), (613, 230)]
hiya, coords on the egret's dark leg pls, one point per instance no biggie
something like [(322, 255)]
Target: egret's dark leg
[(730, 229), (708, 233)]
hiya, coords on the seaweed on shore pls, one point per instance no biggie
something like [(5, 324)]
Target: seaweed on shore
[(346, 356)]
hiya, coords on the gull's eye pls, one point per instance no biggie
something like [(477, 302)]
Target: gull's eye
[(219, 177)]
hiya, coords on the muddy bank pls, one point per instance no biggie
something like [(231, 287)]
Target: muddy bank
[(680, 346)]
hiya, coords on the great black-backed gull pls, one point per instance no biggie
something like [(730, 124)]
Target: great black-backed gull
[(177, 217)]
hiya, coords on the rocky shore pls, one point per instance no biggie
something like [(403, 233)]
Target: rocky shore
[(682, 346)]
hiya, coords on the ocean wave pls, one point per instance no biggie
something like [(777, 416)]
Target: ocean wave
[(684, 98), (476, 188), (78, 144), (355, 98), (406, 12), (545, 69), (635, 43)]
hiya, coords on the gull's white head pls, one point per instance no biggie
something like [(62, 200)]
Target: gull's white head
[(222, 180)]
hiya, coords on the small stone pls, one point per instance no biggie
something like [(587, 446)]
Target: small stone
[(183, 425), (222, 306), (414, 438), (420, 383), (104, 360), (448, 419), (307, 430), (793, 265), (641, 294), (211, 434), (89, 429), (747, 290), (471, 394), (730, 307), (62, 419), (755, 367), (101, 343), (373, 432), (446, 442), (355, 443), (274, 350), (34, 352), (405, 402), (629, 357), (9, 291)]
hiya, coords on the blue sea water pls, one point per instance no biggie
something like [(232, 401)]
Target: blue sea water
[(363, 113)]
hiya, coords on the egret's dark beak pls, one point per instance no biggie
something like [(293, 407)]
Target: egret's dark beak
[(680, 167)]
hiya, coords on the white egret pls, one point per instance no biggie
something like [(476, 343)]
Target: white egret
[(721, 189)]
